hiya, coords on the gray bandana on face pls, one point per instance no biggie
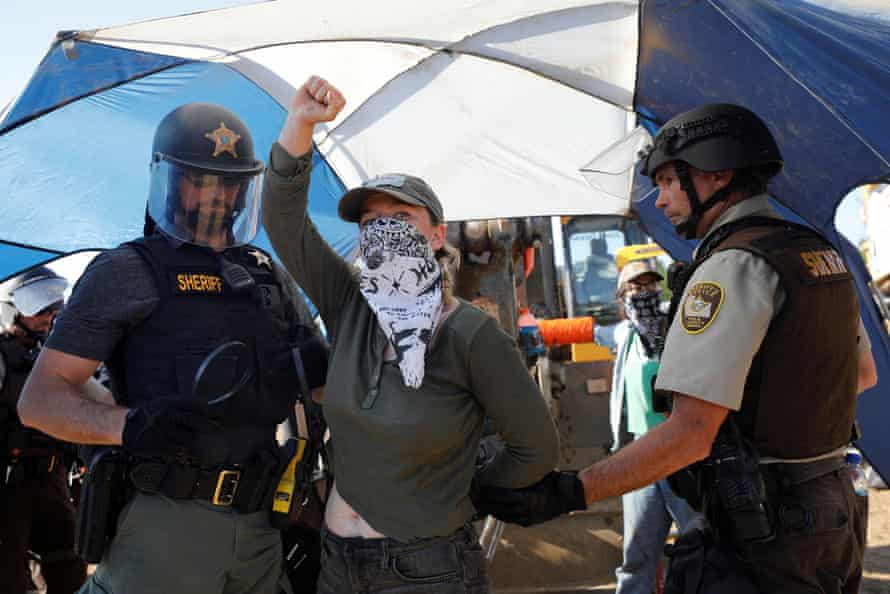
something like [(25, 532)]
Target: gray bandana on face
[(402, 282), (643, 312)]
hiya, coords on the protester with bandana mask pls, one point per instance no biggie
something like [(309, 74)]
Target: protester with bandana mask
[(649, 510), (413, 373)]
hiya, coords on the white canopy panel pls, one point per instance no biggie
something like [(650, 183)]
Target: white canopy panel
[(492, 141), (589, 45), (497, 104)]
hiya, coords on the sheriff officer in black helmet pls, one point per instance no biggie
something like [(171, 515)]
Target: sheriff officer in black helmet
[(36, 513), (198, 477), (763, 362)]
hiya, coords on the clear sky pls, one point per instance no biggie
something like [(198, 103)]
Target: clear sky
[(849, 218), (31, 25)]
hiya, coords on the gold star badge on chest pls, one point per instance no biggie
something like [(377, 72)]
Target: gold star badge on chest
[(225, 140), (261, 258)]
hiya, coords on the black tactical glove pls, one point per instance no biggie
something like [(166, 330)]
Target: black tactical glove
[(315, 353), (167, 427), (556, 494)]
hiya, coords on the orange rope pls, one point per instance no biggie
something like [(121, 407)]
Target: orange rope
[(566, 330)]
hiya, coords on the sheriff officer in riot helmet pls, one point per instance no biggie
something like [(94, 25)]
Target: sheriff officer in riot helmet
[(763, 361), (36, 512), (200, 476)]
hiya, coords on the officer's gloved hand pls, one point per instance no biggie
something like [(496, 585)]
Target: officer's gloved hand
[(556, 494), (167, 427), (315, 353)]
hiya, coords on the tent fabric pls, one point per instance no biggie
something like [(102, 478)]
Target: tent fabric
[(90, 68), (510, 96), (815, 76), (77, 165), (498, 104), (537, 35), (17, 257)]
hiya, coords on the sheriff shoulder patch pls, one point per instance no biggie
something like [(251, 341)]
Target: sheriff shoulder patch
[(823, 263), (701, 306)]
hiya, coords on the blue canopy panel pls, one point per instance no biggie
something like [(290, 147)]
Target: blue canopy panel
[(15, 257), (79, 175), (817, 77), (87, 68)]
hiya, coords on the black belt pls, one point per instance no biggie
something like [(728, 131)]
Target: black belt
[(179, 481), (790, 474), (245, 488), (797, 519)]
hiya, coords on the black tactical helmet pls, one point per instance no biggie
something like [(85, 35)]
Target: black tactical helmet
[(207, 137), (205, 179), (713, 138)]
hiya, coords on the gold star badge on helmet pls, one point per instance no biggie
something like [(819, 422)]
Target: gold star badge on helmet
[(225, 140)]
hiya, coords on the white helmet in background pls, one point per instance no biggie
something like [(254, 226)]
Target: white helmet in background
[(29, 294)]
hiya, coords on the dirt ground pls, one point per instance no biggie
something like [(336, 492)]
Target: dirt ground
[(560, 558), (877, 557)]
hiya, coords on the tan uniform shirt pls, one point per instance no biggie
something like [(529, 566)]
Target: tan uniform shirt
[(728, 305)]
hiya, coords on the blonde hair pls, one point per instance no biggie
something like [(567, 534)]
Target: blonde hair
[(448, 257)]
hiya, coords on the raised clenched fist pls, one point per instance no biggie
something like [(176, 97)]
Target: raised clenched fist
[(316, 101)]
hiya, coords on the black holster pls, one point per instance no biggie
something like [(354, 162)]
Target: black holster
[(103, 496), (740, 504), (698, 564), (729, 489)]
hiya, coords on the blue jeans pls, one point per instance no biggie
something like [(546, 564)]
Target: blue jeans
[(443, 565), (648, 514)]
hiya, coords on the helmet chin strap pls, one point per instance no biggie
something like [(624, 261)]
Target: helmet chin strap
[(689, 227)]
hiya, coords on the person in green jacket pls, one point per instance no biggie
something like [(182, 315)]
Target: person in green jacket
[(413, 374)]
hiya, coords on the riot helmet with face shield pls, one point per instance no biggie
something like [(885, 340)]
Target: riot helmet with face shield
[(37, 293), (714, 137), (205, 180)]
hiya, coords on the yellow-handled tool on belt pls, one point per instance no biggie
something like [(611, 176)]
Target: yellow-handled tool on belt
[(283, 500)]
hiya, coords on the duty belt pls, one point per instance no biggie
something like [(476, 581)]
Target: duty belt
[(245, 488), (796, 519), (789, 474)]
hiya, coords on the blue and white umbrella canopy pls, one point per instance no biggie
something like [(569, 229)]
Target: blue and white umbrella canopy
[(498, 104)]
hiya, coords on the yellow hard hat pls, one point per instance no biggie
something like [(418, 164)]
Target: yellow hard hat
[(630, 253)]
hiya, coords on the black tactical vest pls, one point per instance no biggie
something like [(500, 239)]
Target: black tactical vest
[(198, 312), (18, 365), (19, 360), (800, 393)]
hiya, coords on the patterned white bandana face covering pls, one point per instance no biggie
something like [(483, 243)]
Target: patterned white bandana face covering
[(402, 282), (643, 312)]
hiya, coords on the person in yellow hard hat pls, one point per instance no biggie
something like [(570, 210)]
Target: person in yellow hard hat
[(648, 511)]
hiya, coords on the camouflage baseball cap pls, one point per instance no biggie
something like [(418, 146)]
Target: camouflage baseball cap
[(634, 270), (402, 187)]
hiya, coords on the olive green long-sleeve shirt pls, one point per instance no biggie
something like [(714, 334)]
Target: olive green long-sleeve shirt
[(404, 458)]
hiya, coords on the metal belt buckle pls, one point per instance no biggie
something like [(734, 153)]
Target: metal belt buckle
[(226, 487)]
